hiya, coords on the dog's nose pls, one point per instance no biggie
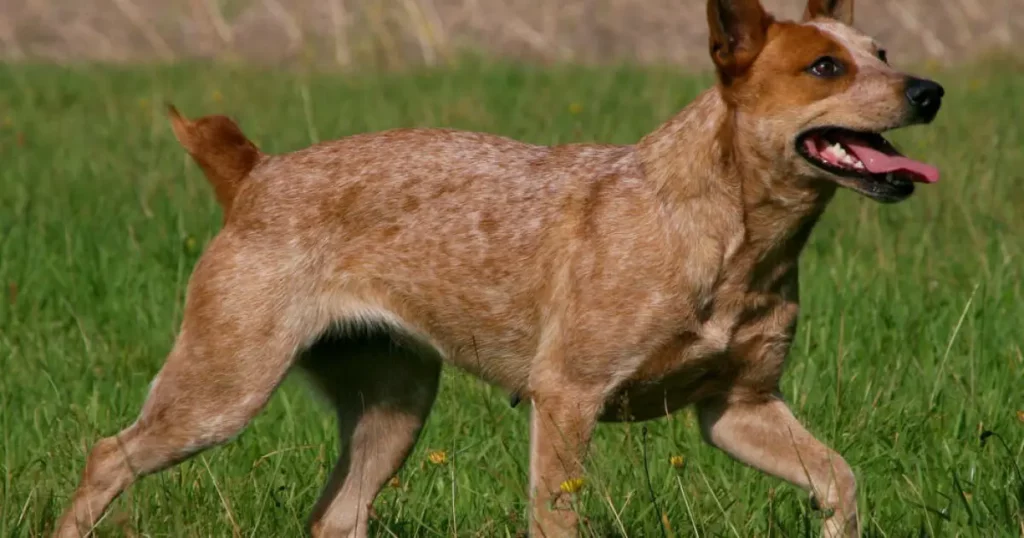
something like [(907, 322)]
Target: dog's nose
[(925, 98)]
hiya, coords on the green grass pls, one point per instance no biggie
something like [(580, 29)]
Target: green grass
[(910, 344)]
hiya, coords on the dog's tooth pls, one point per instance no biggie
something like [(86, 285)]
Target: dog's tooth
[(858, 165), (836, 151)]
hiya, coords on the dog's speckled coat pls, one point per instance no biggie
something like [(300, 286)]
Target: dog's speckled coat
[(596, 281)]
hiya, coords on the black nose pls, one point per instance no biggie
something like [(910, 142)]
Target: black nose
[(925, 98)]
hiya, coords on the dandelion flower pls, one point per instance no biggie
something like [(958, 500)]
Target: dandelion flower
[(437, 457), (572, 485)]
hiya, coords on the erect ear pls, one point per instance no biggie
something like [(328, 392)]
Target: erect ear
[(737, 31), (840, 10)]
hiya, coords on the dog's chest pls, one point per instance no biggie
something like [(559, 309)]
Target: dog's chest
[(709, 356), (696, 345)]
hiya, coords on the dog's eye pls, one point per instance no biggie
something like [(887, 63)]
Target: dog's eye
[(826, 67), (882, 55)]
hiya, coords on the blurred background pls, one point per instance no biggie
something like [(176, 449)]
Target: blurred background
[(397, 33), (909, 354)]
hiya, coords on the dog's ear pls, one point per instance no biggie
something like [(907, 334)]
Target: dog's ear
[(737, 35), (840, 10)]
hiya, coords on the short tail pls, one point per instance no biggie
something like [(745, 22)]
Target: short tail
[(221, 150)]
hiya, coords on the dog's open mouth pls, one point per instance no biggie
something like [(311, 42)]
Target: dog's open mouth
[(870, 163)]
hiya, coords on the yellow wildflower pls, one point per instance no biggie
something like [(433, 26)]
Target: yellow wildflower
[(437, 457), (572, 485)]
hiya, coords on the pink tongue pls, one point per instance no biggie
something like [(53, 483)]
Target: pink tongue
[(879, 163)]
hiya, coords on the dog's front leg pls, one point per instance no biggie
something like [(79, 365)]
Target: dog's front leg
[(765, 435), (561, 421)]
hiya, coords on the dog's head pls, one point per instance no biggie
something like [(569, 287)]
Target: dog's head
[(818, 94)]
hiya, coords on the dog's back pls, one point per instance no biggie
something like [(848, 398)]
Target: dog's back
[(472, 219)]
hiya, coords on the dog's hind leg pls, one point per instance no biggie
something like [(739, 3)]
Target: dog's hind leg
[(382, 392), (241, 331)]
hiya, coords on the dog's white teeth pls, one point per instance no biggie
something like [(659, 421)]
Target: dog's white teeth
[(836, 154), (851, 161), (837, 150)]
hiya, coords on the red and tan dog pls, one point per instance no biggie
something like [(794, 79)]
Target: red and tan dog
[(598, 282)]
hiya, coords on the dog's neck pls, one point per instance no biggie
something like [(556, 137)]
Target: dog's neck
[(703, 162)]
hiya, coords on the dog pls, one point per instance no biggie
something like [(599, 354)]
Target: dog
[(596, 282)]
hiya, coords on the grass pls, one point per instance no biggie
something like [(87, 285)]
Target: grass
[(910, 345)]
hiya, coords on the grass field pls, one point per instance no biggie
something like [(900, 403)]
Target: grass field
[(910, 344)]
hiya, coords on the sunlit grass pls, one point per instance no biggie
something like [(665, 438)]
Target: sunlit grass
[(910, 345)]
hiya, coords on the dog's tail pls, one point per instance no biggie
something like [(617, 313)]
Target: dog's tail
[(221, 150)]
